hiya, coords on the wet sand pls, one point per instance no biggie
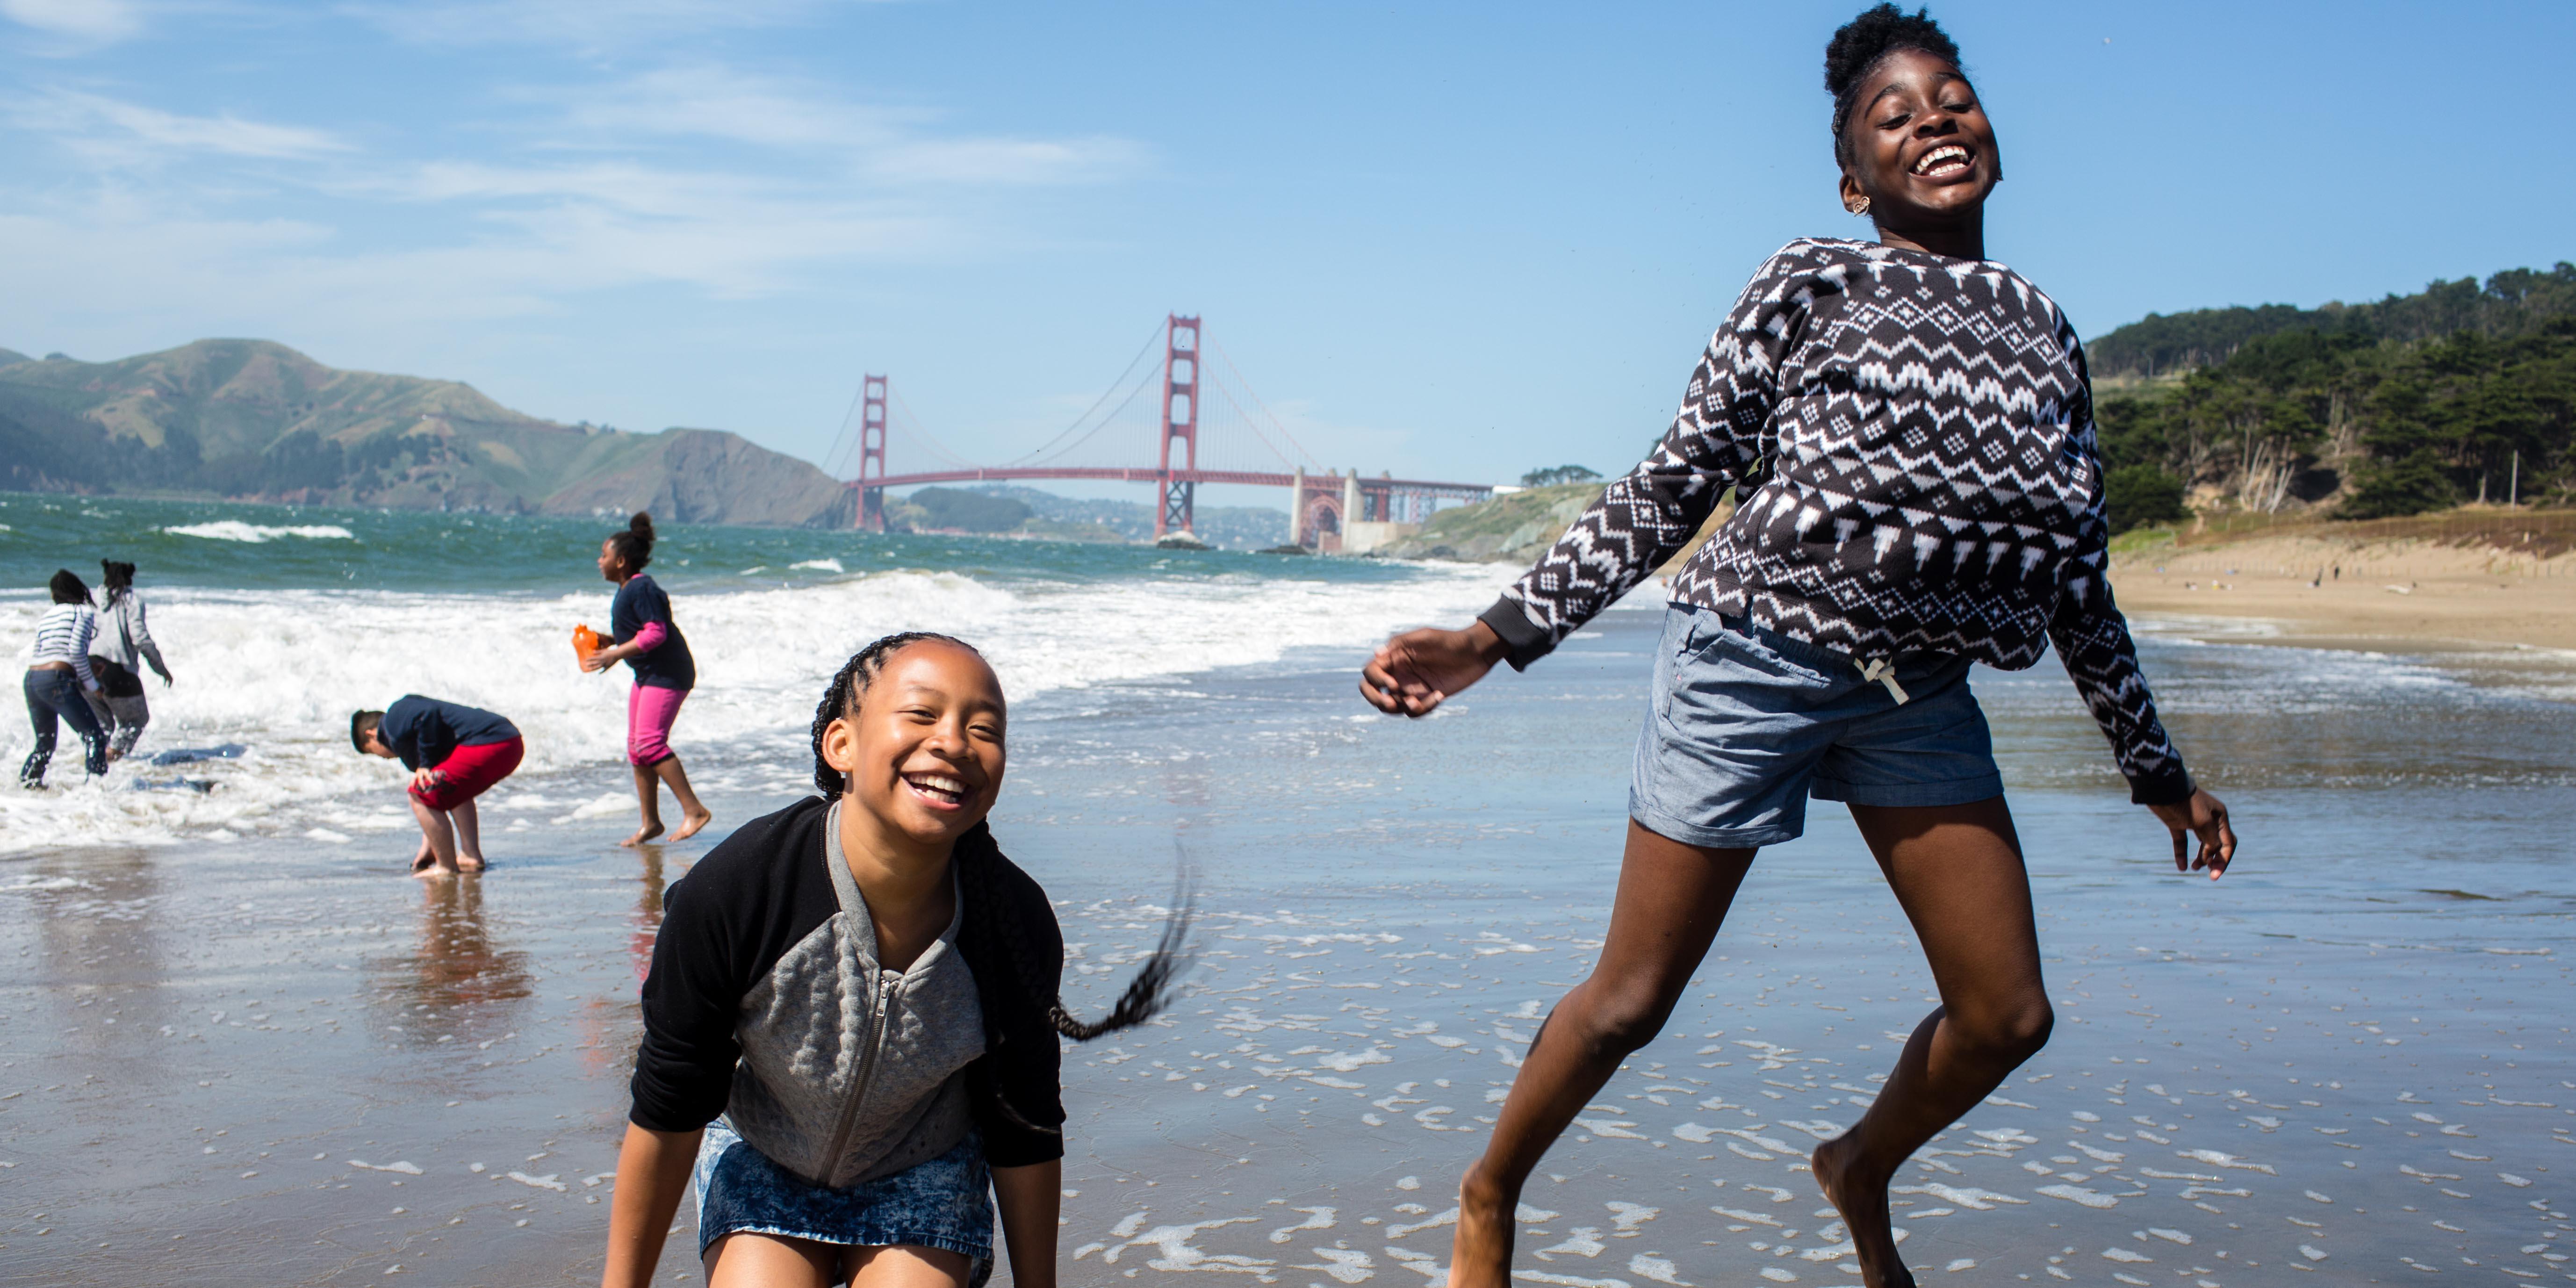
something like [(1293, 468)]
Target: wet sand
[(281, 1064)]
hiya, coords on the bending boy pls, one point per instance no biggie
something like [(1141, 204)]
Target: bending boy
[(455, 753)]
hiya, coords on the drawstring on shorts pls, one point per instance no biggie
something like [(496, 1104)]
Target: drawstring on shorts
[(1882, 670)]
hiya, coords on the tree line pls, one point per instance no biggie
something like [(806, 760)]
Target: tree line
[(2464, 391)]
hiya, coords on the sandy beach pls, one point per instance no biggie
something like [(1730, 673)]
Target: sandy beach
[(2344, 1064), (2361, 593)]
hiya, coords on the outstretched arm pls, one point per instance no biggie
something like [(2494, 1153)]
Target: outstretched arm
[(652, 1173), (2093, 639), (1412, 673)]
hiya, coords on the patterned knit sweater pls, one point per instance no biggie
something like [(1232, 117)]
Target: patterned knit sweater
[(1912, 438)]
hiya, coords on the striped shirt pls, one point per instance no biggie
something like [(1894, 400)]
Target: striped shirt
[(63, 634)]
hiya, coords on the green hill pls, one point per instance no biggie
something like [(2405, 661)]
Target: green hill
[(2459, 393), (255, 420)]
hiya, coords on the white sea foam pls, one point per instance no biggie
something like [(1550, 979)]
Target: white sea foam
[(280, 671), (255, 533)]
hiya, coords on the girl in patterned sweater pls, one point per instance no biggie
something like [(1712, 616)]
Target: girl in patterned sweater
[(1908, 428)]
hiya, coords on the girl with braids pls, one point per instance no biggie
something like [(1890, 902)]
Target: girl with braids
[(647, 640), (850, 1025), (1908, 427)]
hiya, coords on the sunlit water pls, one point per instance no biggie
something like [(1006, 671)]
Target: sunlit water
[(235, 1050)]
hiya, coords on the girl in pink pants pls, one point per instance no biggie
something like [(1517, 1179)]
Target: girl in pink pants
[(647, 640)]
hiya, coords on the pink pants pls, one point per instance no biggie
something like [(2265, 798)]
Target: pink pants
[(650, 709)]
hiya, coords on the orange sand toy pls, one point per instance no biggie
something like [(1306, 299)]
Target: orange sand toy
[(585, 641)]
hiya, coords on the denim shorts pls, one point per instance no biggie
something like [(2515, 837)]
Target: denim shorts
[(1746, 723), (944, 1202)]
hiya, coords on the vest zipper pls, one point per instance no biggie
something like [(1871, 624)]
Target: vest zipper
[(867, 1074)]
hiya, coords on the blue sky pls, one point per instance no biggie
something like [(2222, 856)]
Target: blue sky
[(1452, 241)]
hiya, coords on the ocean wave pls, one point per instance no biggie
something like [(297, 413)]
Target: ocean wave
[(255, 533), (280, 671), (820, 565)]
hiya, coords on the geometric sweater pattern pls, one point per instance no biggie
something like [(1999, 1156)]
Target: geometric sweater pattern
[(1911, 441)]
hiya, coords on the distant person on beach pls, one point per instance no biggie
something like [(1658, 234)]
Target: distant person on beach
[(1908, 428), (850, 1028), (455, 753), (60, 682), (122, 645), (646, 639)]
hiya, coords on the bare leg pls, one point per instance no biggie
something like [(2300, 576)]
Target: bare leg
[(747, 1260), (648, 794), (693, 815), (469, 836), (1957, 871), (436, 839), (906, 1265), (1672, 898)]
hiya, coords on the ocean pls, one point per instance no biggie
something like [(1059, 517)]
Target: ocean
[(239, 1046)]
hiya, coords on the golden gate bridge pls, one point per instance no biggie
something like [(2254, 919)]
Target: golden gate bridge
[(1229, 438)]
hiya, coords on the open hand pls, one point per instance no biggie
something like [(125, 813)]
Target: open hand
[(1412, 673), (424, 779), (2204, 816), (599, 659)]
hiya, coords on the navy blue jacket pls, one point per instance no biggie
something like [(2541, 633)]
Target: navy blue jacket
[(668, 666), (424, 732)]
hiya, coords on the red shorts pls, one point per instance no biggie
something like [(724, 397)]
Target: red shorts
[(468, 772)]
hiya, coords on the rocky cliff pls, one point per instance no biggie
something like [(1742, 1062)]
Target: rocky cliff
[(255, 420)]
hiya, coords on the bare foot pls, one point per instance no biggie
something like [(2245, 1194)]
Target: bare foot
[(1481, 1254), (1863, 1202), (652, 828), (691, 823), (469, 863), (434, 871)]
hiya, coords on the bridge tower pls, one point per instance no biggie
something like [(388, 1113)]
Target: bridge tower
[(872, 434), (1180, 424)]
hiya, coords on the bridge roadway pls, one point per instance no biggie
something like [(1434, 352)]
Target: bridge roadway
[(1148, 474)]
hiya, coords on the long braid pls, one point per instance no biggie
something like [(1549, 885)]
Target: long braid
[(1151, 991)]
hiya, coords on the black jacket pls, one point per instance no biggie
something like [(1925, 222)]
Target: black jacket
[(767, 890)]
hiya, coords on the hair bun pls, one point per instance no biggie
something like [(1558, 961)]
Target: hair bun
[(1858, 45), (641, 525)]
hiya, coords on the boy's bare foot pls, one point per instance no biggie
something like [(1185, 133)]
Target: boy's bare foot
[(469, 863), (422, 862), (691, 823), (651, 829), (1863, 1202), (434, 871), (1481, 1254)]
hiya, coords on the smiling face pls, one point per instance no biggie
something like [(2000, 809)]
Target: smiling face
[(923, 756), (1918, 147)]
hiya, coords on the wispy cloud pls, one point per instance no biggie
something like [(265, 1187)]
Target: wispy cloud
[(888, 145), (116, 132), (735, 184), (90, 22), (587, 25)]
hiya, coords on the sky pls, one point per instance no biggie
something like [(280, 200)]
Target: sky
[(1451, 241)]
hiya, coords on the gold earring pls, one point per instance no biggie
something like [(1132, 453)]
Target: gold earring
[(1859, 208)]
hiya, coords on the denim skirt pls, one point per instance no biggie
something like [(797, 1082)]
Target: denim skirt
[(945, 1202)]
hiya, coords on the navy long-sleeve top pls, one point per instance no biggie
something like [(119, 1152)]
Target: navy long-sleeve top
[(643, 609), (424, 732)]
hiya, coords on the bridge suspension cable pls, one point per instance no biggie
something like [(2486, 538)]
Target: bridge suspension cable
[(1114, 386)]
